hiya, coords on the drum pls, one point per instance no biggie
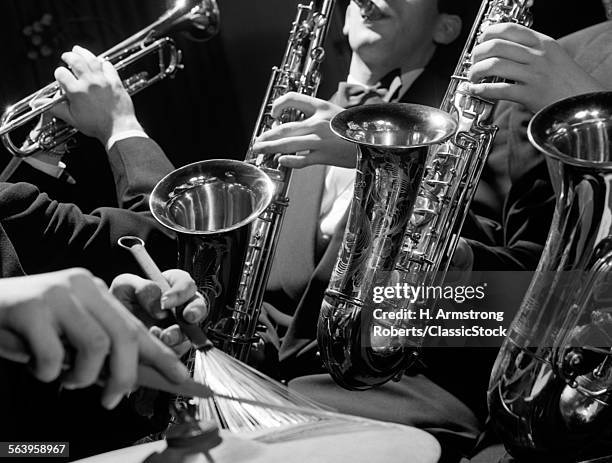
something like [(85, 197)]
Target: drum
[(321, 442)]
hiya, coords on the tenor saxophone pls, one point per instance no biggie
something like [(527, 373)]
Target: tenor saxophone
[(452, 173), (228, 214), (550, 394), (299, 72)]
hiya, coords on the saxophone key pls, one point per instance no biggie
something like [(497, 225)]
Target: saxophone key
[(419, 257)]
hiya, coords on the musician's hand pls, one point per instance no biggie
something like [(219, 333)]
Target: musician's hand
[(311, 139), (462, 262), (98, 105), (463, 258), (145, 299), (72, 308), (540, 70)]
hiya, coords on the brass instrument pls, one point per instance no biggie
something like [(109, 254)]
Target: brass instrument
[(299, 71), (550, 394), (200, 17), (393, 142), (211, 205), (451, 175), (231, 263)]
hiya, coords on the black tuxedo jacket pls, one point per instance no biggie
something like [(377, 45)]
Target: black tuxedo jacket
[(38, 235)]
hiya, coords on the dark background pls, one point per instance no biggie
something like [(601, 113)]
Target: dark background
[(208, 110)]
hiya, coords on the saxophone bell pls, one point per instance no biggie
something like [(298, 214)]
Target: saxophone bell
[(393, 141), (211, 205), (431, 235), (550, 394)]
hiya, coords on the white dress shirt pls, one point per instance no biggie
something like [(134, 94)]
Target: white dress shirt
[(339, 181), (123, 135), (51, 162)]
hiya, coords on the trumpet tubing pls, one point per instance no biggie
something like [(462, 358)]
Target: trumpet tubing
[(201, 16)]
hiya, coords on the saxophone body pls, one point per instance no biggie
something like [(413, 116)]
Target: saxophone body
[(211, 206), (451, 175), (228, 214), (393, 141), (550, 390), (454, 169), (299, 72)]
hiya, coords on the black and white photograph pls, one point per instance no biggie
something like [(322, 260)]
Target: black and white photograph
[(306, 231)]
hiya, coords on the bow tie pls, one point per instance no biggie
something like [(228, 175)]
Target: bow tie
[(349, 95)]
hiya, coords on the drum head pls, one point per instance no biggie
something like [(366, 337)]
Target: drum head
[(323, 442)]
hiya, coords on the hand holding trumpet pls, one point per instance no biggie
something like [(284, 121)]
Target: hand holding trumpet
[(97, 104)]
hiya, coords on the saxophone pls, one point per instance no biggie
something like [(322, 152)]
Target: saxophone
[(299, 72), (228, 214), (550, 394), (452, 173)]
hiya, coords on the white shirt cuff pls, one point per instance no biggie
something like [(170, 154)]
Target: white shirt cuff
[(123, 135)]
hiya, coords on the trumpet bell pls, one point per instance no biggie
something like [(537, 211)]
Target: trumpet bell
[(199, 18)]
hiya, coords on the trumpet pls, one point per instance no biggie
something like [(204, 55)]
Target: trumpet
[(200, 17)]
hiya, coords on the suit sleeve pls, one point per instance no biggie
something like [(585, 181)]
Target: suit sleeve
[(48, 235), (137, 164), (527, 217)]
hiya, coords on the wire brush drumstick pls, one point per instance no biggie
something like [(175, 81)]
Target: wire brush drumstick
[(249, 396)]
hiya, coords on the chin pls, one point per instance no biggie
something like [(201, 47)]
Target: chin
[(371, 47), (368, 39)]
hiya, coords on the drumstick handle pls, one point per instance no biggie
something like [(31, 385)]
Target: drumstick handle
[(149, 267), (137, 248), (13, 348)]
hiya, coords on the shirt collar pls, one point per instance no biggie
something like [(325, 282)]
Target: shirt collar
[(407, 79)]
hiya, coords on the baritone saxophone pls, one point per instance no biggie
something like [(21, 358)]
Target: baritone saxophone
[(550, 394)]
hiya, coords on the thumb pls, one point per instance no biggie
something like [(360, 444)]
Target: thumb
[(296, 101), (463, 258), (295, 161)]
